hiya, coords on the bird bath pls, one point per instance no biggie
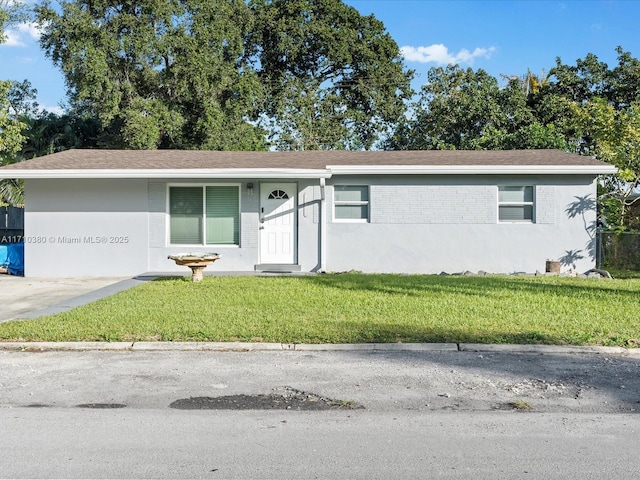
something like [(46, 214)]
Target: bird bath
[(197, 262)]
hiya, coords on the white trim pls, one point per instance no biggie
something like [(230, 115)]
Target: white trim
[(302, 173), (180, 173), (204, 214), (470, 169), (517, 204), (351, 203), (323, 226), (294, 224)]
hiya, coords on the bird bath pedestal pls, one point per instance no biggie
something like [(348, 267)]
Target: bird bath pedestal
[(197, 262)]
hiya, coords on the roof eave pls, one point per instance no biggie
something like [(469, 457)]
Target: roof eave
[(291, 173), (472, 169), (235, 173)]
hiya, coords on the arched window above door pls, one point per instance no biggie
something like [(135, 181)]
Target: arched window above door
[(278, 195)]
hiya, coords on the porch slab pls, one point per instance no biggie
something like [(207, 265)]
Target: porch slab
[(277, 268)]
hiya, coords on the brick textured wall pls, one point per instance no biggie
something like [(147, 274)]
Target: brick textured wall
[(433, 204), (545, 204)]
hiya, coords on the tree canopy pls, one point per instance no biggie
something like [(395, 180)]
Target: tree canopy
[(463, 109), (158, 74), (208, 74), (332, 78), (11, 137), (302, 74)]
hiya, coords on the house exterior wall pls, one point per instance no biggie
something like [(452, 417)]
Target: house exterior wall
[(450, 224), (247, 255), (86, 227), (119, 227), (416, 224)]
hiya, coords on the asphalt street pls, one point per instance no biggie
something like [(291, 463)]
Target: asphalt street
[(162, 410), (396, 414)]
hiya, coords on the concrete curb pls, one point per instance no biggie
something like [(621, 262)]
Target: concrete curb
[(356, 347), (547, 349)]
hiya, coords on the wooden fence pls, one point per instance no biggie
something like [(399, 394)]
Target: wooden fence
[(11, 224)]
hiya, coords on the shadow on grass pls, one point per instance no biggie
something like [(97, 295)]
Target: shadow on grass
[(415, 285), (393, 333)]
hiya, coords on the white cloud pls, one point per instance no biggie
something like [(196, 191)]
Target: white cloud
[(30, 29), (440, 54), (12, 39), (17, 36), (58, 110)]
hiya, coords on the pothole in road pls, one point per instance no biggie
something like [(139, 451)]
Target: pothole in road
[(284, 398), (101, 405)]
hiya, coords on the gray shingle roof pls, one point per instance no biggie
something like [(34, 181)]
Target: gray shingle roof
[(194, 159)]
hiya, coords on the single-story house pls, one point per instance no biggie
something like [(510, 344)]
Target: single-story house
[(122, 212)]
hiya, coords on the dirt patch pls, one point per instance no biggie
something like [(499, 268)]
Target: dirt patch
[(283, 398)]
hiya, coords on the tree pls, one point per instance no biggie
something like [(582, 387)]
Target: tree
[(616, 136), (455, 109), (11, 13), (157, 74), (332, 78), (11, 137), (466, 109), (600, 108), (10, 127)]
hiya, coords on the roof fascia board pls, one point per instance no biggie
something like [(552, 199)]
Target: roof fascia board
[(471, 169), (168, 173), (268, 173)]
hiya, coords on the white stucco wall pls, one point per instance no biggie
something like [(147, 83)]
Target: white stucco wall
[(426, 224), (247, 255), (85, 227), (450, 224)]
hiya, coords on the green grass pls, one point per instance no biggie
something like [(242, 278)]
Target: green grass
[(623, 274), (355, 308)]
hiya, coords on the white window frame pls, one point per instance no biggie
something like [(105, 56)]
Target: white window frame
[(532, 203), (352, 203), (203, 186)]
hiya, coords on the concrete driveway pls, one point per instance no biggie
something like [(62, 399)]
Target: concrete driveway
[(22, 297)]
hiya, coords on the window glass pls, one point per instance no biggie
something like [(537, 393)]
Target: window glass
[(222, 215), (348, 193), (516, 194), (515, 204), (204, 215), (185, 209), (516, 213), (351, 202), (352, 212)]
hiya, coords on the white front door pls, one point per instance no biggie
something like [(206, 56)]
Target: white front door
[(277, 223)]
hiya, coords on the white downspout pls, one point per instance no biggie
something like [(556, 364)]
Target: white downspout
[(323, 227)]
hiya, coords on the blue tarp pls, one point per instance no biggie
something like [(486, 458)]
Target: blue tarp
[(12, 257)]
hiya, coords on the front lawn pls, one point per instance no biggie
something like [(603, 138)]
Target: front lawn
[(353, 308)]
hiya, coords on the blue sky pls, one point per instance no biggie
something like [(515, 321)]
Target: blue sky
[(502, 37)]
